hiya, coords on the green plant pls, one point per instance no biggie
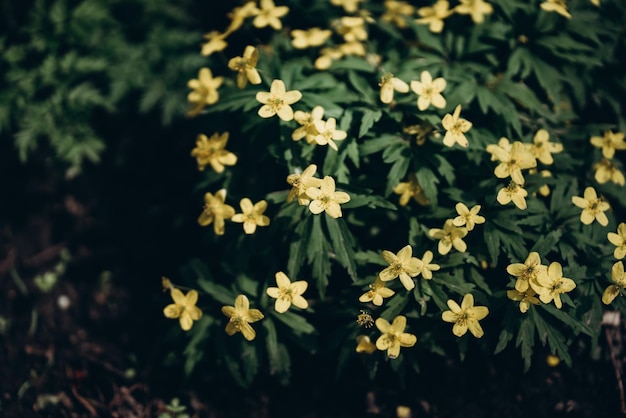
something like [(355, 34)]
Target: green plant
[(465, 148)]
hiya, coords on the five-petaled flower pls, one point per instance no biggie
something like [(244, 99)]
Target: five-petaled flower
[(450, 236), (468, 217), (204, 90), (269, 15), (184, 308), (252, 215), (525, 299), (606, 170), (241, 316), (426, 267), (402, 265), (513, 162), (215, 43), (300, 182), (397, 12), (558, 6), (210, 151), (455, 127), (593, 207), (433, 16), (388, 84), (278, 101), (466, 316), (528, 273), (542, 149), (364, 345), (377, 291), (241, 13), (246, 67), (327, 133), (350, 6), (609, 143), (429, 91), (393, 336), (326, 199), (288, 293), (619, 278), (306, 120), (513, 192), (554, 284), (411, 189), (307, 38), (619, 240), (215, 211), (477, 9)]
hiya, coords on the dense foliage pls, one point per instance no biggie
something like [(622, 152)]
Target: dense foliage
[(469, 149)]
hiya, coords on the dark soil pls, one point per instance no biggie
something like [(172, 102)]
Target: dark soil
[(102, 355)]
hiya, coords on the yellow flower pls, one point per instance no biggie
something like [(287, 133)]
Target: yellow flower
[(393, 336), (558, 6), (349, 6), (352, 48), (278, 101), (252, 215), (246, 67), (239, 14), (552, 360), (476, 8), (425, 266), (364, 345), (301, 182), (606, 170), (544, 190), (433, 16), (328, 55), (204, 90), (269, 15), (377, 292), (288, 293), (527, 274), (595, 2), (307, 38), (525, 299), (429, 91), (455, 128), (502, 148), (619, 278), (609, 143), (465, 317), (327, 133), (210, 151), (402, 265), (184, 308), (468, 217), (513, 192), (388, 83), (307, 121), (397, 12), (352, 29), (411, 189), (542, 149), (619, 240), (216, 211), (326, 199), (241, 316), (215, 43), (554, 284), (513, 162), (450, 236), (593, 207)]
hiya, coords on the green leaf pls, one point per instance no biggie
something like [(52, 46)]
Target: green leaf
[(546, 244), (342, 243), (298, 324), (369, 118)]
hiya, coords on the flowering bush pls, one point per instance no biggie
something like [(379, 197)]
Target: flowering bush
[(469, 149)]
